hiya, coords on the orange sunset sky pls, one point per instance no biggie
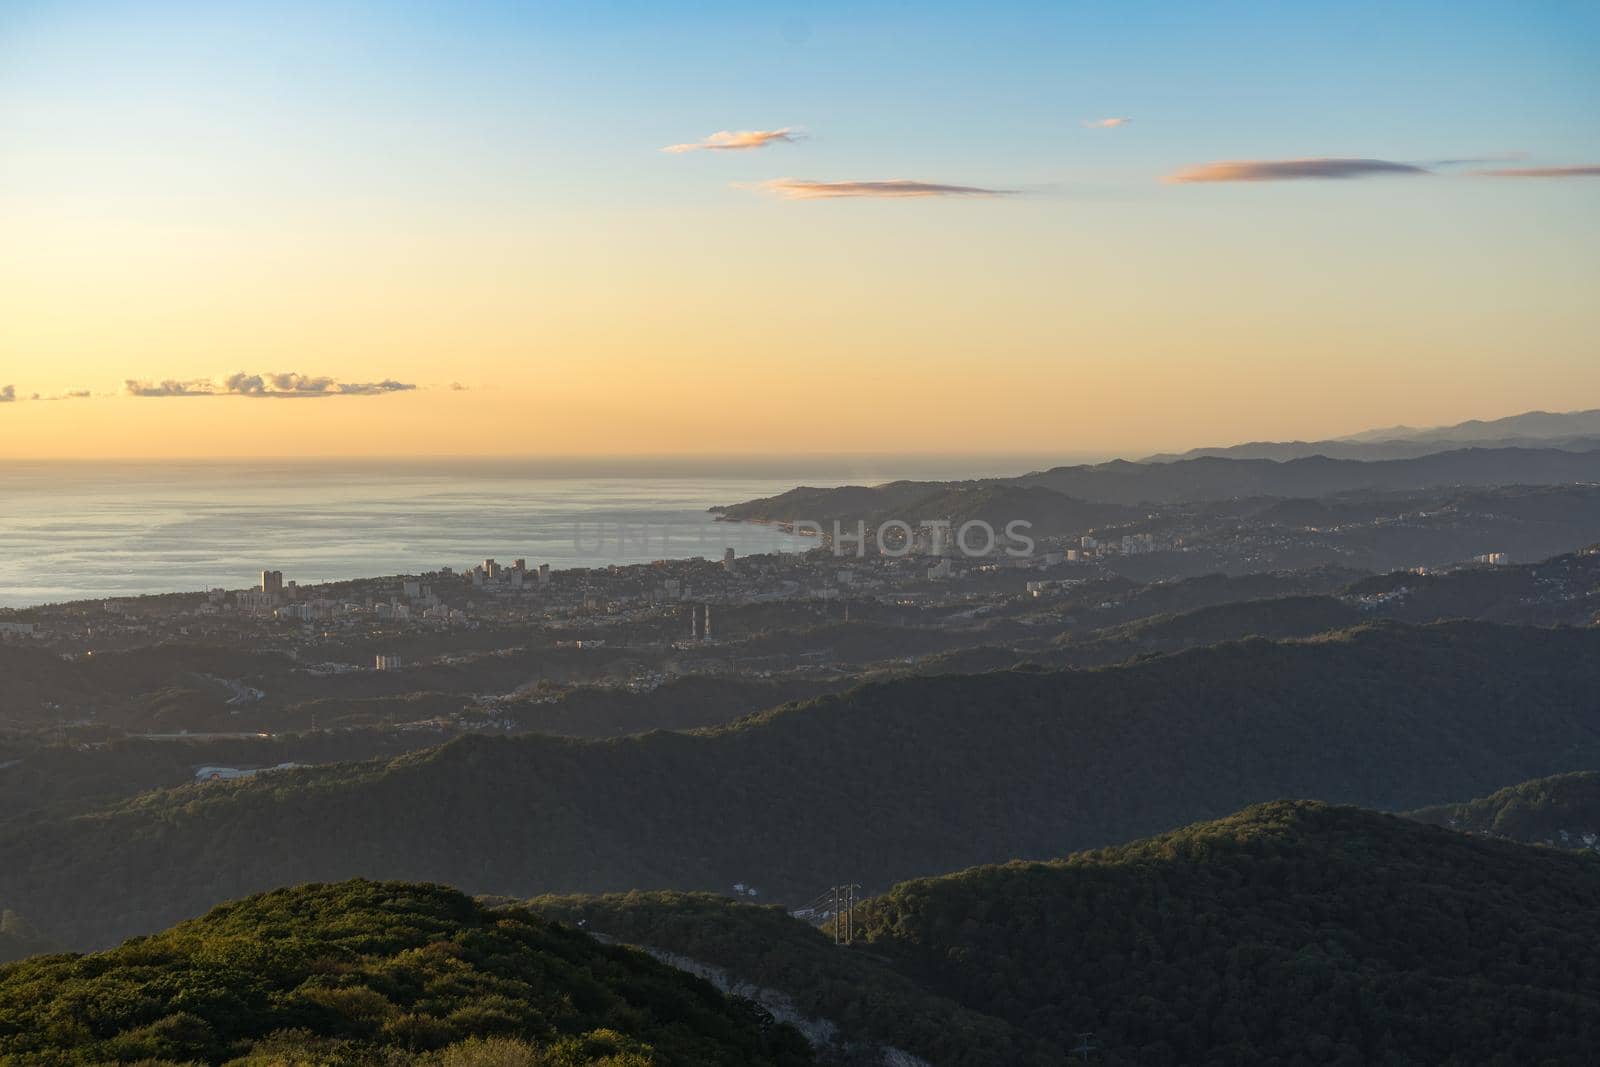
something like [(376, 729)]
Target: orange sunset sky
[(1025, 228)]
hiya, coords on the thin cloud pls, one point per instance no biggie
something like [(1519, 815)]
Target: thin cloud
[(737, 141), (1586, 170), (8, 395), (265, 385), (1106, 124), (1277, 170), (1503, 157), (892, 189), (388, 385)]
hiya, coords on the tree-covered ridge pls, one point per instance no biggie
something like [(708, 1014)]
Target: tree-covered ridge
[(890, 781), (367, 972), (1292, 932), (1271, 903), (1562, 810)]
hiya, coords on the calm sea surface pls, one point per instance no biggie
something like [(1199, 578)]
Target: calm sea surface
[(71, 531)]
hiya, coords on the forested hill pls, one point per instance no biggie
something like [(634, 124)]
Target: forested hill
[(796, 968), (1125, 484), (378, 974), (1562, 810), (1293, 932), (893, 780), (1287, 933)]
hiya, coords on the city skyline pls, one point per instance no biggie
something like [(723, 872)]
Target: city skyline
[(507, 230)]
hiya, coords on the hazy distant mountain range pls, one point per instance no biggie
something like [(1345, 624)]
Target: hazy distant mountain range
[(1105, 492), (1534, 448), (1209, 478), (1573, 431), (1539, 425)]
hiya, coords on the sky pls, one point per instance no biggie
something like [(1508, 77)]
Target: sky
[(611, 228)]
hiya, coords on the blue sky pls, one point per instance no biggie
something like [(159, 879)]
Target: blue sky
[(475, 192), (570, 99)]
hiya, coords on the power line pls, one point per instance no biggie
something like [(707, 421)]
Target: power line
[(839, 903), (844, 914)]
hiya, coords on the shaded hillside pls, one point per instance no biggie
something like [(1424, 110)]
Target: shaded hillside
[(1527, 523), (1562, 810), (1563, 589), (1293, 932), (1101, 603), (33, 677), (39, 780), (167, 687), (1379, 531), (1101, 622), (853, 643), (974, 660), (794, 966), (1081, 626), (1282, 617), (682, 704), (889, 781), (347, 973), (1051, 514), (1209, 590), (1290, 932), (1275, 618), (18, 938)]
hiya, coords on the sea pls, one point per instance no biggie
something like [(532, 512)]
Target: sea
[(85, 531)]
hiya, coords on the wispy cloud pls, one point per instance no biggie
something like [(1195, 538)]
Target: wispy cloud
[(1106, 124), (1501, 157), (891, 189), (738, 140), (265, 385), (8, 395), (1278, 170), (1584, 170)]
